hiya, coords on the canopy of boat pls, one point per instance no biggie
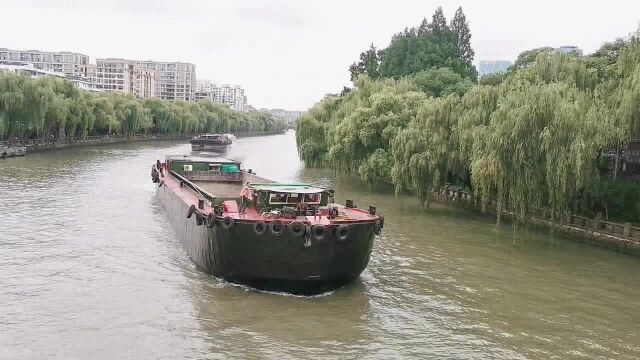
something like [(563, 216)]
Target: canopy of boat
[(203, 159), (288, 188)]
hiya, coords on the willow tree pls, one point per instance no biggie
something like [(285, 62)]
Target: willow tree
[(382, 109), (11, 106), (311, 130), (425, 153), (628, 93), (539, 150)]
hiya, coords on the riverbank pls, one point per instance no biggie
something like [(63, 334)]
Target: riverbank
[(41, 145), (620, 237), (13, 151)]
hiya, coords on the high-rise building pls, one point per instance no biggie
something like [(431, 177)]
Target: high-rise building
[(489, 67), (25, 68), (112, 75), (68, 63), (232, 95), (174, 80), (205, 86), (143, 81), (126, 76)]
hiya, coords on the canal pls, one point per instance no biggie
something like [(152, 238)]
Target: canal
[(90, 269)]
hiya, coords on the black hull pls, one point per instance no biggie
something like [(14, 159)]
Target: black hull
[(298, 264)]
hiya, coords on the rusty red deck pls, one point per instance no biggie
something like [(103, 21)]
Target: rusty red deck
[(190, 197)]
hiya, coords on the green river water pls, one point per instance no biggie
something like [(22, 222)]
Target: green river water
[(90, 269)]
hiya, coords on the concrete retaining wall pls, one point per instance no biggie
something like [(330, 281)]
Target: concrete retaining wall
[(11, 151), (620, 237)]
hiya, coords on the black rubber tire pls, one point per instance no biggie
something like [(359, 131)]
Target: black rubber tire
[(381, 222), (297, 228), (318, 231), (342, 232), (211, 220), (277, 227), (228, 222), (191, 210), (161, 183), (260, 228)]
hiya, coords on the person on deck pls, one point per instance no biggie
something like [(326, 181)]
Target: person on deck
[(159, 167), (154, 175), (245, 195)]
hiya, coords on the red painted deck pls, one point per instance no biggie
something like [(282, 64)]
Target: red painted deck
[(190, 197)]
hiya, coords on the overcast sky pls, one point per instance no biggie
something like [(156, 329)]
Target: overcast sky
[(288, 54)]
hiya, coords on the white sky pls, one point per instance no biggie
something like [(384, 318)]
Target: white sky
[(288, 54)]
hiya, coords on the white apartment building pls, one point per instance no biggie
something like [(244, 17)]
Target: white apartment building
[(69, 63), (112, 75), (27, 69), (232, 95), (144, 82), (126, 76), (83, 83), (174, 80), (205, 86), (491, 67)]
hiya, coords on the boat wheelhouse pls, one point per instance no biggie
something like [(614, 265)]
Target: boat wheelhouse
[(216, 142), (281, 237)]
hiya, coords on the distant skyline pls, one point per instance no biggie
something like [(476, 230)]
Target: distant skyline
[(289, 54)]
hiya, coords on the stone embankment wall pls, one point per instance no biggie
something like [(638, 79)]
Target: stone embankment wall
[(622, 237), (11, 151)]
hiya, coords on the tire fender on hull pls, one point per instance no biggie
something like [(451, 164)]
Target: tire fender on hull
[(191, 210), (228, 222), (318, 231), (342, 232), (277, 227), (297, 228), (211, 221), (260, 228)]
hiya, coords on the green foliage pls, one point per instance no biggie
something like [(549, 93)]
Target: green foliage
[(532, 138), (528, 57), (369, 64), (492, 79), (438, 82), (431, 45), (615, 199), (50, 106), (425, 151)]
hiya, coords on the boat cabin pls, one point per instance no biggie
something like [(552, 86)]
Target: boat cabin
[(275, 196), (215, 138), (197, 168)]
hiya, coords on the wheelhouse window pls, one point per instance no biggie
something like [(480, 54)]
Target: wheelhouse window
[(278, 198), (312, 198), (214, 167)]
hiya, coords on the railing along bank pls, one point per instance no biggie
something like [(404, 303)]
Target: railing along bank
[(623, 230)]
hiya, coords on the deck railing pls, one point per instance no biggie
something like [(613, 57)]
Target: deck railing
[(193, 187)]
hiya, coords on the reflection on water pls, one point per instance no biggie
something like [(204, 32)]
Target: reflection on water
[(89, 268)]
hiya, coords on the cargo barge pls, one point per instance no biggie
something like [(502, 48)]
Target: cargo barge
[(277, 237), (215, 142)]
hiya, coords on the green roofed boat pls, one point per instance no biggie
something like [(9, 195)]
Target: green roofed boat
[(271, 236)]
